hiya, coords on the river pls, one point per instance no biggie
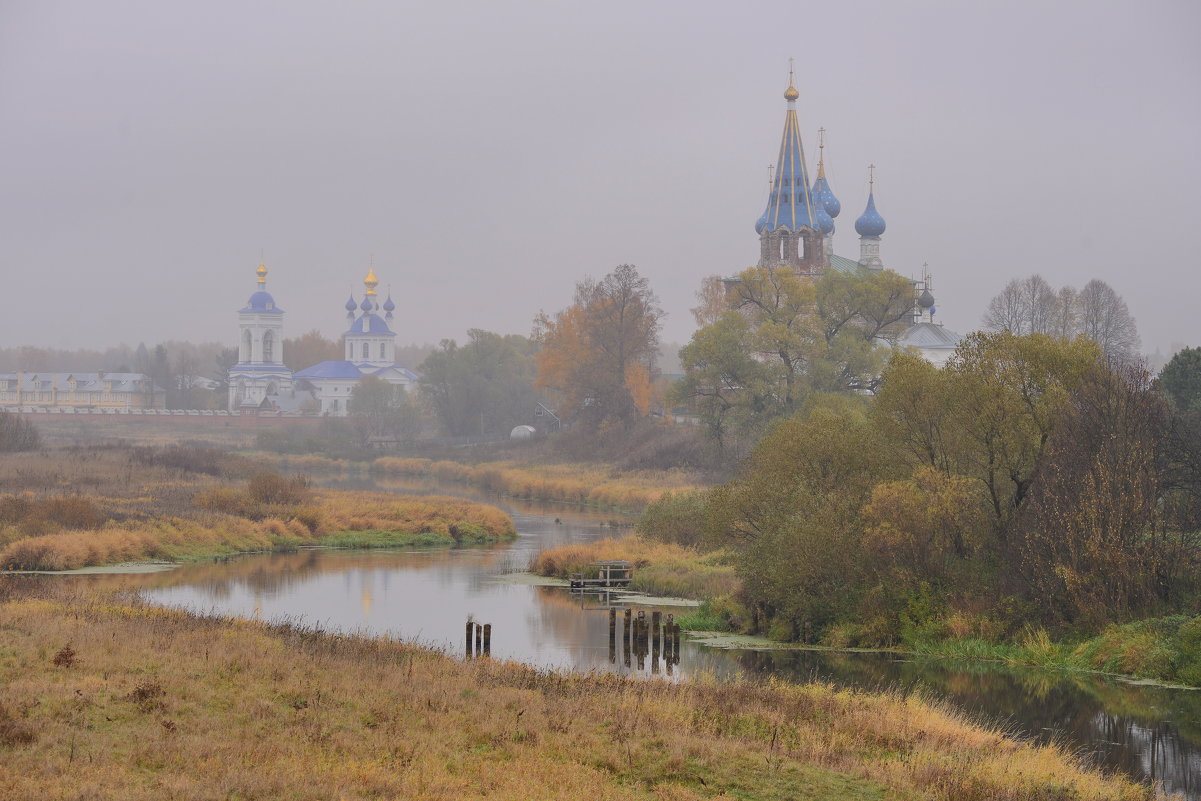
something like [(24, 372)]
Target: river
[(1149, 732)]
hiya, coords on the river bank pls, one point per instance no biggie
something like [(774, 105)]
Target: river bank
[(107, 696), (1166, 650)]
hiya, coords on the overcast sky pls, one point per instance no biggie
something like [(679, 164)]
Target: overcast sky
[(490, 155)]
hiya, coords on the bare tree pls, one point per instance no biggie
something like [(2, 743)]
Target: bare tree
[(1024, 306), (712, 301), (1065, 319), (1105, 319)]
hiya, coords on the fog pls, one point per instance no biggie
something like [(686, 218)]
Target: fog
[(487, 156)]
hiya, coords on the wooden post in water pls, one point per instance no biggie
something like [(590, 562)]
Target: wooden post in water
[(655, 640), (469, 627), (479, 634), (675, 643), (487, 639), (625, 640), (668, 640)]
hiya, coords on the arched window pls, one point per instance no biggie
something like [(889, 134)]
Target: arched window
[(246, 346), (366, 351), (268, 347), (381, 350)]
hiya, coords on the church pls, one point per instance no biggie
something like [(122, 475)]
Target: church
[(796, 231), (261, 381)]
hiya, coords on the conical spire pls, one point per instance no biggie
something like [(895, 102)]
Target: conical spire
[(789, 204)]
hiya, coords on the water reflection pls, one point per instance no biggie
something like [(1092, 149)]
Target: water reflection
[(1152, 733)]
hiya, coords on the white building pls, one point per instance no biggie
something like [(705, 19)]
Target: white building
[(260, 380)]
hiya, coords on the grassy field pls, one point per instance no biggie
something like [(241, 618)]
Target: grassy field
[(104, 698), (93, 506), (590, 484)]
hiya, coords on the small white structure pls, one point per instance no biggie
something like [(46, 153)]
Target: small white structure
[(523, 432)]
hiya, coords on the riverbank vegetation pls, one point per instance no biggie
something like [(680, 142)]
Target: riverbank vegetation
[(1027, 494), (80, 507), (664, 570), (104, 697)]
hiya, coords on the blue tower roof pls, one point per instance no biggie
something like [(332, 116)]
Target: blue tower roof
[(790, 205), (350, 304), (369, 324), (262, 301), (870, 223)]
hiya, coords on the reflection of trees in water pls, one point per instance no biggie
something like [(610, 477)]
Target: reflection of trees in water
[(1111, 723)]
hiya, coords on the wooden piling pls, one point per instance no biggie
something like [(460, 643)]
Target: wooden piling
[(612, 635), (487, 639), (675, 643), (479, 636), (655, 618), (469, 627)]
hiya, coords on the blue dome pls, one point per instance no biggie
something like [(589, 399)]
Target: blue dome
[(825, 223), (262, 301), (870, 223), (350, 304), (366, 304), (369, 324), (761, 223), (389, 305), (822, 192)]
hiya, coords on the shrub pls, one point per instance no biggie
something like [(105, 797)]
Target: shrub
[(17, 434), (272, 488)]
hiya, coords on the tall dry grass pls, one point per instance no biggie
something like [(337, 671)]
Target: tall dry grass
[(569, 483), (663, 569), (109, 699)]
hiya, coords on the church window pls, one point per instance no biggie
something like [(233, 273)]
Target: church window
[(246, 346), (381, 350), (784, 198), (268, 347), (366, 351)]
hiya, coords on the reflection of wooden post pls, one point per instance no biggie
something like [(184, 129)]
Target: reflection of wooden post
[(655, 617), (479, 633), (469, 626), (675, 643), (487, 639), (612, 636), (626, 634)]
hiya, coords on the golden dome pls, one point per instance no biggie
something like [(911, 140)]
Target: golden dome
[(261, 272), (791, 93), (371, 282)]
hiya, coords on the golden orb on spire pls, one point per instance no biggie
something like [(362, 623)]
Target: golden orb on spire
[(790, 93), (261, 272), (371, 282)]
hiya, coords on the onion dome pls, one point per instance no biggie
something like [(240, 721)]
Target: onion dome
[(371, 282), (870, 223), (821, 187), (825, 223), (350, 304), (262, 301), (261, 272), (761, 223), (366, 304), (389, 307), (926, 300)]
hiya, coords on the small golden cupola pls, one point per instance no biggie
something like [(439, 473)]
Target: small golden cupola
[(261, 272)]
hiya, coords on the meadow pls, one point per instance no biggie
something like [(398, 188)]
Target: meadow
[(79, 507), (104, 697)]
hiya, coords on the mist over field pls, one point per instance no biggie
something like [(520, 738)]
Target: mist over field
[(488, 156)]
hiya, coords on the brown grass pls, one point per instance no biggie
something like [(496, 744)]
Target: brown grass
[(163, 705), (591, 484), (662, 569), (95, 506)]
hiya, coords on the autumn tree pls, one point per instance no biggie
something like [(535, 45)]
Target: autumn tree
[(598, 355), (380, 409), (485, 386), (786, 336), (712, 301), (1024, 306), (310, 348), (1092, 539)]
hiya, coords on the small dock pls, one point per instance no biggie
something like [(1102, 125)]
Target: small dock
[(603, 574)]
